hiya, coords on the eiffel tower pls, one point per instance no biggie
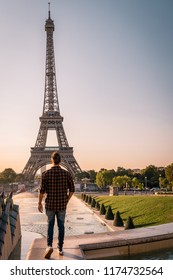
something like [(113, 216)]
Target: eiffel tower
[(50, 119)]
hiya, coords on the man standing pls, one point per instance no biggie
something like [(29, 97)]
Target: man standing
[(58, 186)]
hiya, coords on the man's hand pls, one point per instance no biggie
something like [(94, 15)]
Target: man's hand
[(40, 207)]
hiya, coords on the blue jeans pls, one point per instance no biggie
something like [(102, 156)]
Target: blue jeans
[(60, 215)]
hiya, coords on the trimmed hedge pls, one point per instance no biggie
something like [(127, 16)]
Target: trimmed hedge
[(93, 202), (109, 214), (118, 222), (97, 206), (129, 223), (102, 209)]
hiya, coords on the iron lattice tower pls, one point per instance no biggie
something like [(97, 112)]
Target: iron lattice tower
[(50, 119)]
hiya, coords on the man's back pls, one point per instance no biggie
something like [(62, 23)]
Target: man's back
[(56, 183)]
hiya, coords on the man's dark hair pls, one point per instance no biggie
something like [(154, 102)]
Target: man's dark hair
[(56, 158)]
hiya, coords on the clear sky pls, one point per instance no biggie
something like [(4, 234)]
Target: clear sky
[(114, 66)]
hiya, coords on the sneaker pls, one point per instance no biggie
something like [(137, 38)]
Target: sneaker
[(48, 252), (61, 253)]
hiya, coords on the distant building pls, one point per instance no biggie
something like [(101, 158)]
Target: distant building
[(91, 187)]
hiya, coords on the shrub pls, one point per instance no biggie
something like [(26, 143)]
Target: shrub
[(89, 199), (93, 202), (129, 223), (118, 222), (97, 206), (102, 209), (86, 198), (109, 214)]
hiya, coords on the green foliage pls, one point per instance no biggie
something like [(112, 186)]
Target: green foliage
[(7, 176), (121, 181), (104, 178), (82, 175), (129, 223), (100, 181), (151, 174), (19, 178), (135, 182), (169, 173), (121, 171), (109, 214), (102, 209), (118, 222), (90, 174)]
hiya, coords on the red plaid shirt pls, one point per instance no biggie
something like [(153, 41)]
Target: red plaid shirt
[(56, 183)]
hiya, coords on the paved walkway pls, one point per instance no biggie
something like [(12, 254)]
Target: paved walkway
[(80, 220)]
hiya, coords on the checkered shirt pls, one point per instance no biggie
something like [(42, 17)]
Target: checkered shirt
[(56, 183)]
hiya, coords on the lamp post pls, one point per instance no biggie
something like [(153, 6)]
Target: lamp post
[(145, 182), (160, 181)]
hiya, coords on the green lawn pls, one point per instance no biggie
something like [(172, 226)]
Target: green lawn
[(145, 210)]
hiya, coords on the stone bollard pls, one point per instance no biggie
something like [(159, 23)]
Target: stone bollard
[(2, 200), (9, 200), (0, 211)]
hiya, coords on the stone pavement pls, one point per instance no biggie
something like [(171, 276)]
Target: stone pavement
[(80, 220)]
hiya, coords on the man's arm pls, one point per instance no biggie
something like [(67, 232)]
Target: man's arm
[(41, 192), (40, 205), (71, 188), (69, 196)]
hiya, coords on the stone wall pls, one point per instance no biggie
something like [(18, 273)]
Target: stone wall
[(10, 229)]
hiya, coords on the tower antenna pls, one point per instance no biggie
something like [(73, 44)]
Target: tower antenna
[(49, 9)]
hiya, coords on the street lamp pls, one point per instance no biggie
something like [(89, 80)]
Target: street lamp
[(145, 182), (160, 181)]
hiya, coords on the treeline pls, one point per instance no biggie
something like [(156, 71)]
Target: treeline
[(150, 177), (10, 176)]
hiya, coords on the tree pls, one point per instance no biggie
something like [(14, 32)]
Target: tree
[(19, 178), (169, 173), (104, 177), (92, 174), (121, 181), (8, 175), (151, 176), (163, 183), (82, 175), (118, 181), (100, 180), (135, 182), (121, 171)]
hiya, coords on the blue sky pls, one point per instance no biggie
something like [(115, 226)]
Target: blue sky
[(114, 65)]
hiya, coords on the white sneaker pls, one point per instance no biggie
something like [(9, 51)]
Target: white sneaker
[(61, 253), (48, 252)]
